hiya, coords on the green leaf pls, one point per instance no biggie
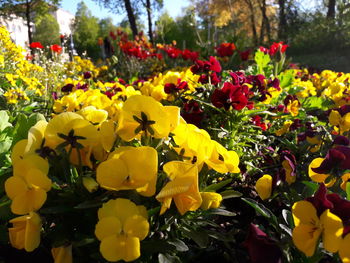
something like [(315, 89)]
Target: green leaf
[(230, 194), (262, 60), (180, 245), (88, 204), (286, 78), (4, 117), (199, 237), (5, 145), (262, 210), (348, 190), (23, 125), (157, 246), (166, 258), (215, 187), (219, 211)]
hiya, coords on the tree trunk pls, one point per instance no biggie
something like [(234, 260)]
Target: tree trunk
[(265, 25), (149, 16), (131, 17), (252, 21), (28, 20), (331, 9), (282, 21)]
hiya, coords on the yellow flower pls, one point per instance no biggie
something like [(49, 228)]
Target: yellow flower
[(182, 187), (137, 169), (345, 179), (142, 114), (210, 200), (62, 254), (72, 129), (293, 107), (343, 123), (309, 227), (284, 129), (288, 170), (28, 186), (263, 186), (222, 160), (25, 232), (120, 228), (319, 178)]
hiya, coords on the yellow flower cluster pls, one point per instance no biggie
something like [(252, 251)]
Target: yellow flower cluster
[(155, 87), (90, 136), (80, 65), (22, 76)]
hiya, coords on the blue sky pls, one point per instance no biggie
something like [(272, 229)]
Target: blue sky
[(173, 7)]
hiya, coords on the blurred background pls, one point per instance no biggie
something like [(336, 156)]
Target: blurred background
[(317, 31)]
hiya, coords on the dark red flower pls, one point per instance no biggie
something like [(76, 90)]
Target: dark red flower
[(337, 157), (261, 247), (192, 113), (87, 75), (36, 45), (229, 95), (244, 55), (320, 200), (225, 49), (67, 88)]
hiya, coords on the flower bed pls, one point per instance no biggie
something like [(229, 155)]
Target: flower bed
[(186, 165)]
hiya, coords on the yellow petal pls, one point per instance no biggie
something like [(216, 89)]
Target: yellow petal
[(32, 233), (305, 238), (333, 229), (263, 186), (136, 226), (334, 118), (319, 178), (107, 135), (109, 177), (210, 200), (344, 251), (18, 151), (62, 254), (36, 136), (15, 186), (114, 248), (31, 200), (108, 226), (304, 212), (36, 178)]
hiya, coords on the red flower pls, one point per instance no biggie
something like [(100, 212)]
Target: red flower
[(189, 55), (36, 45), (261, 247), (230, 95), (192, 113), (225, 49), (56, 48), (244, 54)]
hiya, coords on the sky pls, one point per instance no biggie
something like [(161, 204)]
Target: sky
[(173, 7)]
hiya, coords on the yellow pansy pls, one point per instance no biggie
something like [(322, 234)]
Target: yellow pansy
[(288, 172), (28, 186), (210, 200), (284, 129), (263, 186), (342, 122), (142, 114), (182, 187), (72, 129), (222, 160), (120, 228), (344, 252), (345, 179), (137, 169), (25, 232), (319, 178), (309, 227)]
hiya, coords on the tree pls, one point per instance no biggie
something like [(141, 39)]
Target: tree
[(27, 9), (120, 6), (47, 30), (106, 26), (85, 31)]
